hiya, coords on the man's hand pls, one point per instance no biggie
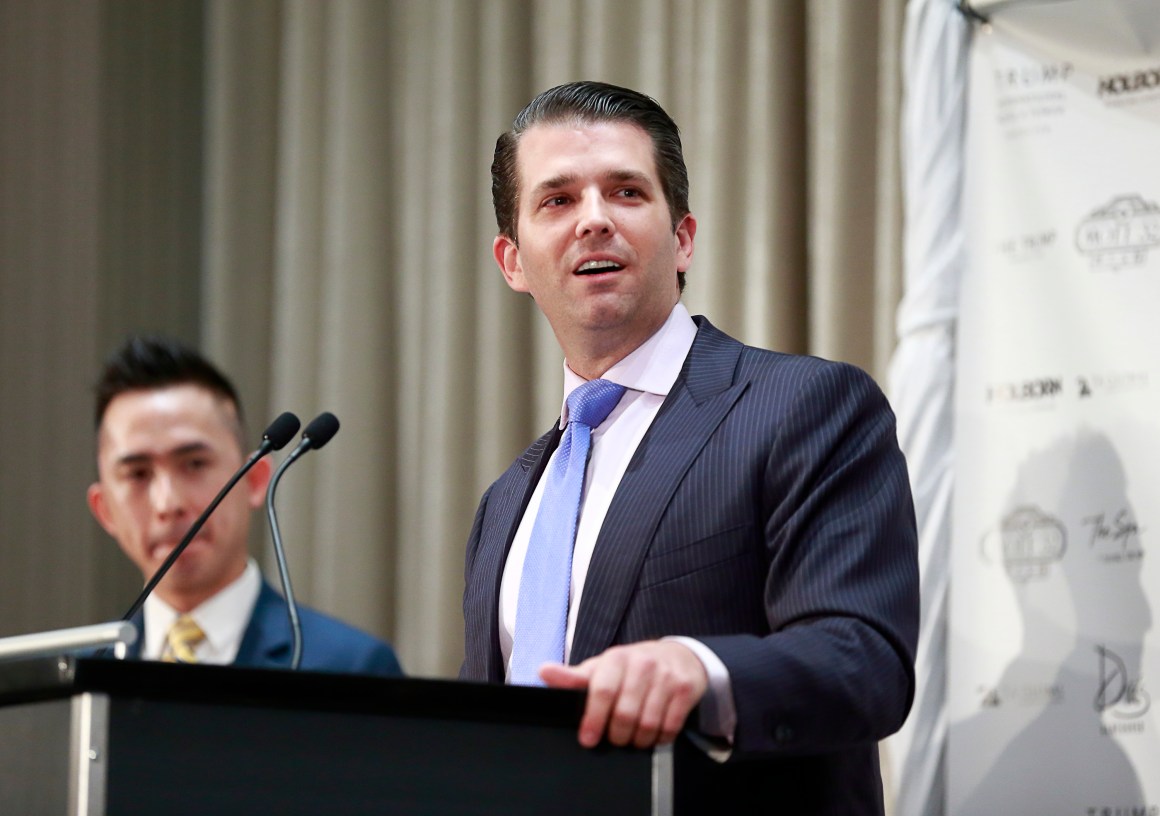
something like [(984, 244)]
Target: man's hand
[(640, 694)]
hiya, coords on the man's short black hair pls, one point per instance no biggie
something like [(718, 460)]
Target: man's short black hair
[(151, 362)]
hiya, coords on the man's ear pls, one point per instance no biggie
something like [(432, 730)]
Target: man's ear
[(256, 480), (96, 499), (507, 257), (685, 233)]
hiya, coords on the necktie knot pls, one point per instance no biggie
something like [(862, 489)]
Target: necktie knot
[(592, 402), (183, 636)]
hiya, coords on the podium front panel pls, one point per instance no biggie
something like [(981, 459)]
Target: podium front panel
[(88, 737), (187, 758)]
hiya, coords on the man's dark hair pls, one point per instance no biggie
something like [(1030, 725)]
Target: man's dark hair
[(151, 362), (589, 102)]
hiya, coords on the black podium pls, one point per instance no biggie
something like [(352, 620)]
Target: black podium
[(101, 736)]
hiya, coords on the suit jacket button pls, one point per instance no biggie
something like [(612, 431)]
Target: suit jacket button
[(783, 733)]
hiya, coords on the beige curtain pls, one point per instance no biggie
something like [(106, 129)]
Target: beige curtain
[(348, 232), (100, 234)]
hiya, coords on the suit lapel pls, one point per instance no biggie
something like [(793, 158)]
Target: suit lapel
[(267, 640), (134, 650), (510, 497), (700, 399)]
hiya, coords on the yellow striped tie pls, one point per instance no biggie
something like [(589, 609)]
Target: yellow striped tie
[(183, 636)]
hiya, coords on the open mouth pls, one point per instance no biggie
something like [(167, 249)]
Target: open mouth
[(596, 267), (162, 549)]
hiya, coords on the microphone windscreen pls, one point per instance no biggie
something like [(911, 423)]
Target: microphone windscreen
[(282, 430), (321, 429)]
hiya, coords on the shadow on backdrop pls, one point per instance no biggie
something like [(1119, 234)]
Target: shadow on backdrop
[(1054, 721)]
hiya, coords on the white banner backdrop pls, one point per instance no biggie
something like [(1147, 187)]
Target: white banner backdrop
[(1053, 654)]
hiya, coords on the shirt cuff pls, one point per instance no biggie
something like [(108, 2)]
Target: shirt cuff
[(717, 714)]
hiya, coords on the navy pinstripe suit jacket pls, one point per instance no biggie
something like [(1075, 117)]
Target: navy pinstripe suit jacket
[(767, 512)]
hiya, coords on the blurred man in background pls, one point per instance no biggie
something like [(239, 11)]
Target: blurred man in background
[(170, 434)]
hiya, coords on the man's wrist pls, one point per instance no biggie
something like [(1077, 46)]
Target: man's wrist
[(716, 714)]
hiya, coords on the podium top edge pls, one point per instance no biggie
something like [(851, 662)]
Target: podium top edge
[(66, 675)]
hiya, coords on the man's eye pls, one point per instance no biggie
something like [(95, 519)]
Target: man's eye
[(137, 475), (194, 465), (630, 192), (556, 201)]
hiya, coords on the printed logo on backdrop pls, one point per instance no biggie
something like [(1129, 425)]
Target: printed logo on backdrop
[(1114, 536), (1032, 76), (1120, 234), (1123, 810), (1030, 96), (1111, 384), (1131, 88), (1119, 695), (1034, 392), (1022, 695), (1027, 542), (1030, 246)]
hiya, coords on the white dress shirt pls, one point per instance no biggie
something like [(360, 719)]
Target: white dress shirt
[(648, 374), (223, 618)]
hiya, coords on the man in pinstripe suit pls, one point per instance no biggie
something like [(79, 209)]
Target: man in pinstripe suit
[(744, 565)]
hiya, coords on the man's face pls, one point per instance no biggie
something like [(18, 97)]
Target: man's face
[(162, 456), (597, 249)]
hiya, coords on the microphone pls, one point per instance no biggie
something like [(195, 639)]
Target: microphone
[(320, 431), (274, 438)]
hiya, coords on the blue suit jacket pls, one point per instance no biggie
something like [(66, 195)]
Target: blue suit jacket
[(767, 512), (327, 644)]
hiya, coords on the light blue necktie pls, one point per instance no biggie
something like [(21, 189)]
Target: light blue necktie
[(542, 609)]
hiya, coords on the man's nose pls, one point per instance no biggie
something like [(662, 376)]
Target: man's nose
[(167, 496), (595, 216)]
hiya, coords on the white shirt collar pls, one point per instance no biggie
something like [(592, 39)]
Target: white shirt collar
[(652, 367), (223, 617)]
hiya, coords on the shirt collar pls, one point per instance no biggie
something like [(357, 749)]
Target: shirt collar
[(222, 617), (652, 367)]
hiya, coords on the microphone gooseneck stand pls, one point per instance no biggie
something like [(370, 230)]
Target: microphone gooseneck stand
[(320, 431)]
